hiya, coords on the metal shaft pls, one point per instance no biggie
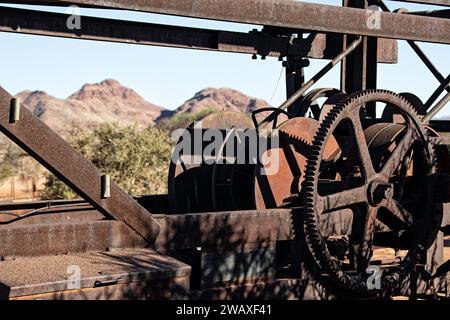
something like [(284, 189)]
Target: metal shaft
[(300, 92)]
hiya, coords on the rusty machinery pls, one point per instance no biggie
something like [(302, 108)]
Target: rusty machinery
[(359, 168)]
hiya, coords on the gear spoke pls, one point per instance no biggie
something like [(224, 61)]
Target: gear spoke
[(398, 211), (400, 152), (365, 246), (363, 149), (342, 199)]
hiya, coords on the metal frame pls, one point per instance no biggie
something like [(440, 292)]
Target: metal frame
[(444, 83), (345, 38), (285, 14), (268, 42), (281, 19)]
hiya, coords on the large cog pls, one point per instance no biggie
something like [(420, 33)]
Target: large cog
[(368, 190)]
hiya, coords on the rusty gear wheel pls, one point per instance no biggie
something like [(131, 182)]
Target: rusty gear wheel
[(368, 190), (280, 188)]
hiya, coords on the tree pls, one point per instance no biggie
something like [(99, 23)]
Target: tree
[(137, 159)]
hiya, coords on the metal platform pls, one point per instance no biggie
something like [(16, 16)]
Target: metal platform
[(114, 274)]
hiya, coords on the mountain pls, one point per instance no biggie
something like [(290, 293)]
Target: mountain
[(110, 101), (224, 99), (107, 101)]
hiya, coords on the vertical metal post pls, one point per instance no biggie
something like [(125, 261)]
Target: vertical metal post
[(359, 69), (295, 76)]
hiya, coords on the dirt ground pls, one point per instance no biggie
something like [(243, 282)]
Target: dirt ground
[(18, 189)]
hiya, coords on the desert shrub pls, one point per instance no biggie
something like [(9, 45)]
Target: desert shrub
[(184, 119), (10, 158), (137, 159)]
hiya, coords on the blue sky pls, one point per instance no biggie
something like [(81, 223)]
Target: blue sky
[(167, 76)]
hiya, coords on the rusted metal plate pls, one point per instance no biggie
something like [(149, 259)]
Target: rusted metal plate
[(54, 153), (164, 289), (320, 46), (222, 231), (47, 274), (61, 238), (280, 187), (288, 14)]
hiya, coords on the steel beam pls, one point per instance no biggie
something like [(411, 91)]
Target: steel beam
[(54, 153), (432, 2), (317, 46), (287, 14), (44, 239), (435, 13), (359, 69)]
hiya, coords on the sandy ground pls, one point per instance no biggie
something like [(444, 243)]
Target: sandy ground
[(14, 188)]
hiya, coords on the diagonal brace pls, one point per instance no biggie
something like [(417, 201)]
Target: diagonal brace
[(55, 154)]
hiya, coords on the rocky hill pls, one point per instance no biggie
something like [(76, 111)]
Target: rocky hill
[(224, 99), (110, 101), (107, 101)]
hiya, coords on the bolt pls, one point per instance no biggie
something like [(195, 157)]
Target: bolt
[(379, 192), (389, 192)]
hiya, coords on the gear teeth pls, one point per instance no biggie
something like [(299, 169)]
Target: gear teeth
[(295, 137)]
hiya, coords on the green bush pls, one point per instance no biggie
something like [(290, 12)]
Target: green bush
[(137, 159), (184, 119), (10, 157)]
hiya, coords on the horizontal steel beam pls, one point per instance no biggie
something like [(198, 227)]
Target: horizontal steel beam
[(436, 13), (440, 126), (287, 14), (317, 46), (222, 231), (58, 238), (54, 153), (432, 2)]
